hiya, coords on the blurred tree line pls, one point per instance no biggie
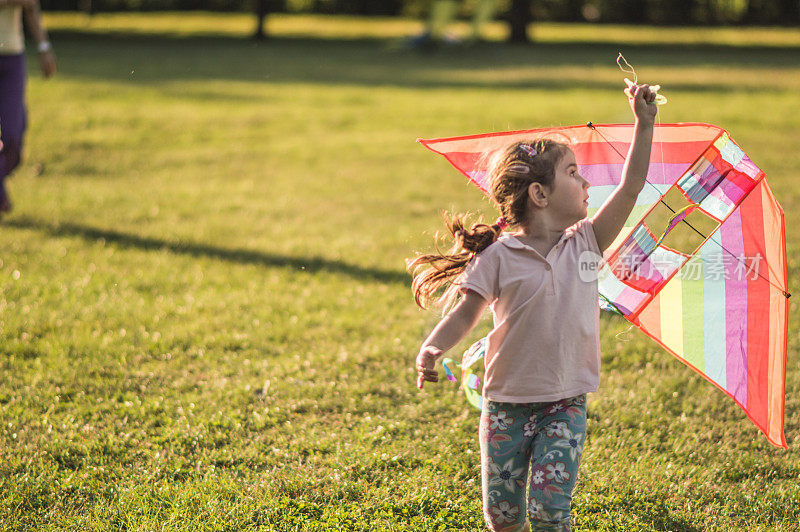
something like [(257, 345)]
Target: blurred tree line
[(669, 12)]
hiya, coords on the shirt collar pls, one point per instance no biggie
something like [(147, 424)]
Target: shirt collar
[(512, 242)]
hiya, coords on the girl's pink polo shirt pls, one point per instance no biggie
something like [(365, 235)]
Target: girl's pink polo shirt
[(545, 345)]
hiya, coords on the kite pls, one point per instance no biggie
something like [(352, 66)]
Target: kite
[(700, 264), (471, 372)]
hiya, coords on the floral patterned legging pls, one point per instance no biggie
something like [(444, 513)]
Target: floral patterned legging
[(546, 438)]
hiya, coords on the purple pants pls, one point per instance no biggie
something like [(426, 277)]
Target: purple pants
[(13, 117)]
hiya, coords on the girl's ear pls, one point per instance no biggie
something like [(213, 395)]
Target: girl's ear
[(537, 194)]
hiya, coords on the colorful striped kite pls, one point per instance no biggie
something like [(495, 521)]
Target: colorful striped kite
[(700, 265)]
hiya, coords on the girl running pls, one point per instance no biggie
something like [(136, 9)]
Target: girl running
[(543, 354)]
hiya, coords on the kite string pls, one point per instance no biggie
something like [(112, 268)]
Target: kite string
[(626, 332), (629, 70), (661, 200), (658, 99), (710, 237), (663, 169)]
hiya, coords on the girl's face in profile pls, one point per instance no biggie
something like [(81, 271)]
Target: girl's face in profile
[(569, 197)]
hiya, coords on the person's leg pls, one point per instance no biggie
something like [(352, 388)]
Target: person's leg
[(484, 13), (557, 446), (12, 119), (505, 455), (442, 14)]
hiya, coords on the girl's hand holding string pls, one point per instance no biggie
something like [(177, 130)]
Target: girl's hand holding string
[(643, 104), (426, 359)]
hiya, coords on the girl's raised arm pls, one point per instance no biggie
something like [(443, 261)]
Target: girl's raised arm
[(611, 216), (451, 330)]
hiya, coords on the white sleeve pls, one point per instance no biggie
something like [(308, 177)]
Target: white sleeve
[(481, 276)]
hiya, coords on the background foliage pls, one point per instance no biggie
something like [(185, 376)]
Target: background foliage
[(675, 12)]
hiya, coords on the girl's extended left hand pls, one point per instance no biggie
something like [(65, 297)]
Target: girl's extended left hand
[(424, 365), (643, 103)]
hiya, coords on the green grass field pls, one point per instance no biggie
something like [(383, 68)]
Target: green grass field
[(205, 319)]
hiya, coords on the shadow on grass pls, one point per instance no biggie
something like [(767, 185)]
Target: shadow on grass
[(662, 520), (233, 255), (373, 62), (648, 511), (666, 522)]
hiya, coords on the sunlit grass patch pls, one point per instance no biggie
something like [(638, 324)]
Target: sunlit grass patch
[(205, 317)]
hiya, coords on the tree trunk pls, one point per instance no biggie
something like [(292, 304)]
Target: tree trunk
[(635, 11), (261, 15), (789, 12), (87, 6), (574, 10), (520, 15), (680, 12), (753, 13)]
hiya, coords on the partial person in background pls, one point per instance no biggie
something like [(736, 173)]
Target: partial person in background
[(442, 14), (12, 81)]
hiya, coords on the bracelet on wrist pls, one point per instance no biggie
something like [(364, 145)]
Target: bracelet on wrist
[(44, 46)]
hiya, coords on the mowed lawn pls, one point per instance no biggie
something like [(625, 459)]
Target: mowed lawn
[(205, 318)]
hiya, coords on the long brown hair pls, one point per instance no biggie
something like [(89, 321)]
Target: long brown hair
[(511, 173)]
